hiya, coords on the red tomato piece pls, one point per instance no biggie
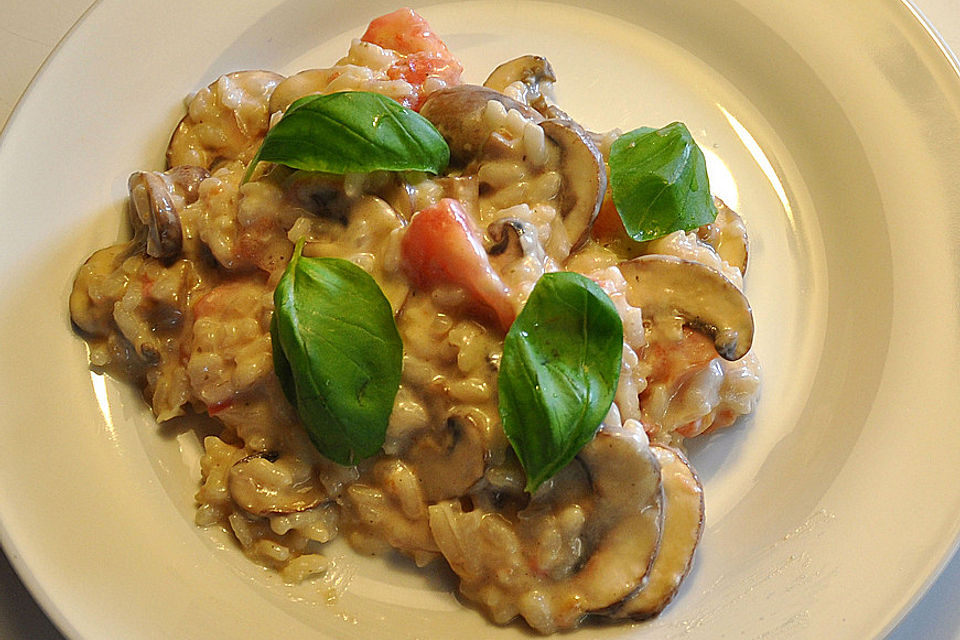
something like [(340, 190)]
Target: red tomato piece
[(405, 31), (441, 246), (424, 55)]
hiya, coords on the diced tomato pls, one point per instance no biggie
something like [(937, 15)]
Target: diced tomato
[(424, 55), (608, 226), (441, 246), (405, 31)]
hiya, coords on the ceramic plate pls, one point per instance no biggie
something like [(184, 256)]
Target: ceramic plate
[(834, 128)]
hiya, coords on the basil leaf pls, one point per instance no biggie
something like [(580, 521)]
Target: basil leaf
[(559, 372), (281, 366), (659, 182), (353, 132), (341, 354)]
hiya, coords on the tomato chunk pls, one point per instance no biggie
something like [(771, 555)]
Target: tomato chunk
[(441, 246), (405, 31), (608, 226), (423, 54)]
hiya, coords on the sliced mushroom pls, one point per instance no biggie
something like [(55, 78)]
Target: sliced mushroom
[(448, 461), (513, 239), (399, 194), (584, 178), (585, 541), (94, 315), (727, 235), (683, 512), (261, 485), (321, 194), (457, 112), (553, 112), (186, 180), (534, 72), (499, 146), (703, 297), (155, 202)]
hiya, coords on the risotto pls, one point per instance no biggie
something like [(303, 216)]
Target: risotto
[(484, 353)]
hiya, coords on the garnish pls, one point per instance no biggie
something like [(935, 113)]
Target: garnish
[(559, 372), (658, 178), (337, 353), (353, 132)]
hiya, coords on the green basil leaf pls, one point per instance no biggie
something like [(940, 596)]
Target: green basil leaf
[(658, 178), (353, 132), (281, 366), (341, 354), (559, 372)]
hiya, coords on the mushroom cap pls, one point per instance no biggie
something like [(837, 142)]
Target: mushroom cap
[(534, 72), (155, 202), (448, 461), (683, 513), (727, 235), (152, 208), (703, 297), (513, 238), (608, 499), (457, 113), (584, 178)]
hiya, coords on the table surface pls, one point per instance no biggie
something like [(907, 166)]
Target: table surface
[(29, 30)]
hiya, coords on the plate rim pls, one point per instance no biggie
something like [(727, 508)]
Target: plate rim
[(60, 618)]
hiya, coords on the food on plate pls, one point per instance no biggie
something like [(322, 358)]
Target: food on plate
[(682, 524), (439, 319)]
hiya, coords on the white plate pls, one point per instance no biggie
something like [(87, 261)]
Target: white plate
[(833, 127)]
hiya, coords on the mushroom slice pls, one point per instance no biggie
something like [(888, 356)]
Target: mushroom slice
[(449, 460), (584, 178), (513, 239), (321, 194), (262, 485), (727, 235), (457, 113), (683, 512), (534, 72), (155, 202), (583, 543), (185, 180), (703, 297)]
